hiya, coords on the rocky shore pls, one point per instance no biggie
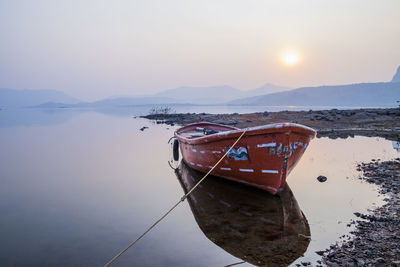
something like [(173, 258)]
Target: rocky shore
[(376, 238), (333, 123)]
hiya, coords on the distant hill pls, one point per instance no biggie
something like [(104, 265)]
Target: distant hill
[(362, 94), (216, 94), (203, 95), (266, 89), (133, 101), (383, 94), (396, 77), (24, 98), (113, 102), (182, 95)]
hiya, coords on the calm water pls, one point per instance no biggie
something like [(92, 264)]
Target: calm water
[(11, 117), (77, 188)]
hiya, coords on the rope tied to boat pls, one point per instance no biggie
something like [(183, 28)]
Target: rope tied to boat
[(176, 204)]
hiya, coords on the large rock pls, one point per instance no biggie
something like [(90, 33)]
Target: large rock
[(396, 77)]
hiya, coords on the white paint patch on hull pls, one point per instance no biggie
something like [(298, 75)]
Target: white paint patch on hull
[(269, 171), (246, 170), (267, 145)]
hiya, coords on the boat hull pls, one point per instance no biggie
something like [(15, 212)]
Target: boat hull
[(263, 157)]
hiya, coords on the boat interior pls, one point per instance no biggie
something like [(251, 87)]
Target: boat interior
[(202, 129), (196, 133)]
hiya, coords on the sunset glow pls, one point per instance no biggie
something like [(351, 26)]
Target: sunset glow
[(137, 49), (290, 58)]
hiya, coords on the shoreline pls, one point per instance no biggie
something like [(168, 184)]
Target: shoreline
[(376, 238), (333, 123)]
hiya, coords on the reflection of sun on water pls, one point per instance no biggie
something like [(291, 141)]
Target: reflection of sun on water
[(290, 58)]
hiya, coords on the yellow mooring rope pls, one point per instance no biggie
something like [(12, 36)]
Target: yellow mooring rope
[(174, 206)]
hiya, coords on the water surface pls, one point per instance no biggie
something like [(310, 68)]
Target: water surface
[(11, 117), (79, 189)]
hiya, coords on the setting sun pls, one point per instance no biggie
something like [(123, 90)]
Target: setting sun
[(290, 58)]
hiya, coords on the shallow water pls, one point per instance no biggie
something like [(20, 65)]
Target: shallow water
[(78, 189)]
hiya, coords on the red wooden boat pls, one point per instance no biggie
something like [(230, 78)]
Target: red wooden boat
[(263, 157)]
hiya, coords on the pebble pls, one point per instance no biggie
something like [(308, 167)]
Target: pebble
[(322, 178), (320, 252)]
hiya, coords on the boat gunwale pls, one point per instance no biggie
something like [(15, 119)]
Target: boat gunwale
[(235, 132)]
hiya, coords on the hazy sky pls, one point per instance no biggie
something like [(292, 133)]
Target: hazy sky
[(95, 49)]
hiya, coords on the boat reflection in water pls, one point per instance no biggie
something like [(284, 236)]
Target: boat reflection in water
[(249, 223)]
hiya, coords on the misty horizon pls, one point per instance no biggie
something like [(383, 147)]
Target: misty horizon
[(98, 50), (194, 87)]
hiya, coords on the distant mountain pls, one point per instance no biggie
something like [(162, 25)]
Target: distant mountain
[(24, 98), (203, 95), (266, 89), (362, 94), (182, 95), (216, 94), (185, 95), (113, 102), (133, 101), (396, 77)]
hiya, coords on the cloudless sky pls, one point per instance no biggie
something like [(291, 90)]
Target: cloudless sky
[(96, 49)]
